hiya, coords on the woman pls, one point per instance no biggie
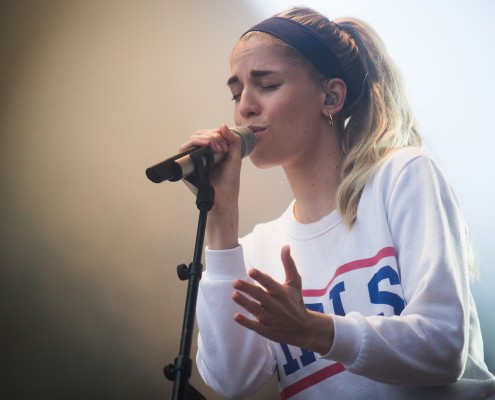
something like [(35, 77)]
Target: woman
[(360, 289)]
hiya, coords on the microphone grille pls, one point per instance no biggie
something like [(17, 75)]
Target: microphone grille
[(248, 140)]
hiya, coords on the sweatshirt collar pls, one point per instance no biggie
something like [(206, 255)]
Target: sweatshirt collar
[(300, 231)]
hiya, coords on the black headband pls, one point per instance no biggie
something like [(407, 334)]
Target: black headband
[(306, 41)]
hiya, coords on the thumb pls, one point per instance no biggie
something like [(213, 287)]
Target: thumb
[(292, 277), (233, 140)]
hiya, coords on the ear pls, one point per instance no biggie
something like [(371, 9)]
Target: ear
[(335, 93)]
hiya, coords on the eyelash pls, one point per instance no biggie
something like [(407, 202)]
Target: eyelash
[(272, 86), (236, 97)]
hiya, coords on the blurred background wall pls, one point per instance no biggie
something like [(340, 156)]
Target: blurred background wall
[(93, 92)]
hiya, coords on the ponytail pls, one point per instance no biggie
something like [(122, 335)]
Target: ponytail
[(378, 122)]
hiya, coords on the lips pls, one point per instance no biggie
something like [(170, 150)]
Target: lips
[(257, 130)]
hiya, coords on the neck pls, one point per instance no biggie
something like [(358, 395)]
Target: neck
[(314, 182)]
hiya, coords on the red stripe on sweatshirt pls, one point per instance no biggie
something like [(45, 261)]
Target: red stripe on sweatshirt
[(311, 380), (351, 266)]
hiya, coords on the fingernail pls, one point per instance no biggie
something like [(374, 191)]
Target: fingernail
[(236, 284), (253, 272)]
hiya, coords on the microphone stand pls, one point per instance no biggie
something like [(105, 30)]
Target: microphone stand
[(180, 371)]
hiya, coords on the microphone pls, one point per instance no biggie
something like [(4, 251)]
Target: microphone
[(182, 165)]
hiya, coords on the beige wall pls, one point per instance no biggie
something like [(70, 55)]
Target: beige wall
[(92, 93)]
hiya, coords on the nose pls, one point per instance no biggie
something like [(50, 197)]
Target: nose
[(249, 105)]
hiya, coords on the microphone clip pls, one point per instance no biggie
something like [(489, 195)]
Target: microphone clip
[(204, 164)]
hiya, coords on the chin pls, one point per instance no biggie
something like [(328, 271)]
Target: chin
[(262, 162)]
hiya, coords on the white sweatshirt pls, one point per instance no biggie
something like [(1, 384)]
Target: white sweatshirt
[(396, 284)]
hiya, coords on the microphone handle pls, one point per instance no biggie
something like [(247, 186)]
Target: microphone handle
[(186, 164), (177, 167)]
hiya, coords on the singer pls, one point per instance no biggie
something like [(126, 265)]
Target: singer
[(360, 290)]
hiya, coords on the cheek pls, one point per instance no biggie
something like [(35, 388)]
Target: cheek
[(284, 111), (297, 115), (237, 116)]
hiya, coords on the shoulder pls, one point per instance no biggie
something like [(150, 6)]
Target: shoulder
[(409, 163), (402, 158), (405, 175)]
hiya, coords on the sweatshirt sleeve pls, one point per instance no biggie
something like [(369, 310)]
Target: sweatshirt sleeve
[(426, 345), (231, 359)]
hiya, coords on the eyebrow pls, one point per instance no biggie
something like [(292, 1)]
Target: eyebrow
[(253, 74)]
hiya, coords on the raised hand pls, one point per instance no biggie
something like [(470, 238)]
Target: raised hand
[(279, 310)]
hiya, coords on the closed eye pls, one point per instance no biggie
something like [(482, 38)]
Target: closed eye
[(270, 87)]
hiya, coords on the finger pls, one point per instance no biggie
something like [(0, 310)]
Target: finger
[(253, 291), (252, 307), (228, 135), (271, 285), (213, 138), (233, 140), (292, 277), (254, 325), (192, 142)]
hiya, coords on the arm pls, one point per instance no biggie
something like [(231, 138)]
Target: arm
[(232, 360), (426, 344)]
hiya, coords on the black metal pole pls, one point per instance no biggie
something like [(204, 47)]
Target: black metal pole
[(183, 364), (180, 371)]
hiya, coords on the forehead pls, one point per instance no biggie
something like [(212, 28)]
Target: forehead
[(255, 53)]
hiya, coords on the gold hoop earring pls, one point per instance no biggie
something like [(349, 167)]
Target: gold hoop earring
[(330, 119)]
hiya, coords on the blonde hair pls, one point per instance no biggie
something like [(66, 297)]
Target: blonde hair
[(380, 121), (376, 117)]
